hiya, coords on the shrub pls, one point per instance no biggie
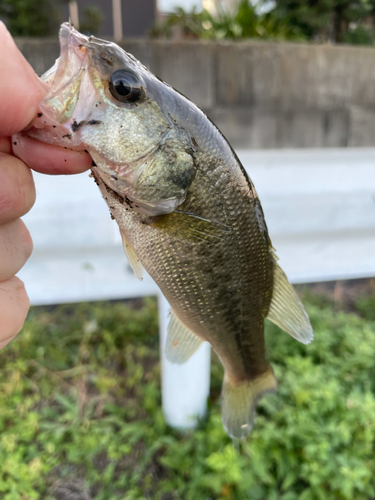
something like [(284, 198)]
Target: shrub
[(30, 17), (247, 22), (80, 408)]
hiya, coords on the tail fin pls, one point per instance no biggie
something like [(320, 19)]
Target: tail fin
[(239, 400)]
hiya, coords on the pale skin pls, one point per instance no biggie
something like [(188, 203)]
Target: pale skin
[(20, 93)]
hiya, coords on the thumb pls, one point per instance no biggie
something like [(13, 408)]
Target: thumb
[(20, 89)]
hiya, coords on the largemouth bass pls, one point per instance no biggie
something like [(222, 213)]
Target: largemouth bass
[(187, 211)]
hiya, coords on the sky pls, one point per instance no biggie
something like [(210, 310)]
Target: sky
[(170, 5)]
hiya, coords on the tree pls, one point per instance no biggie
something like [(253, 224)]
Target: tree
[(243, 21), (30, 17), (350, 21), (92, 20)]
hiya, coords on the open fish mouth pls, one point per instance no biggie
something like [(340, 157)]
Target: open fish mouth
[(72, 95), (66, 78)]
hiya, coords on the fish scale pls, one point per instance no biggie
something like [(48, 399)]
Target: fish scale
[(186, 209), (208, 305)]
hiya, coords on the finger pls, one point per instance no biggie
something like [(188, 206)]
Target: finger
[(17, 190), (50, 159), (15, 248), (6, 145), (14, 306), (20, 90)]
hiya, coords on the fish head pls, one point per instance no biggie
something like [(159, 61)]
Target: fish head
[(103, 100)]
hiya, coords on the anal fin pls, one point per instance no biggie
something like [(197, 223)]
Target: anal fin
[(181, 342), (239, 401), (287, 311), (133, 260)]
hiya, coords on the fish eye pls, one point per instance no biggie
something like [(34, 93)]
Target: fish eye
[(125, 86)]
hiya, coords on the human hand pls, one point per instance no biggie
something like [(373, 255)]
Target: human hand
[(20, 93)]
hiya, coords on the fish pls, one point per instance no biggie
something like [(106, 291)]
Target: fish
[(187, 211)]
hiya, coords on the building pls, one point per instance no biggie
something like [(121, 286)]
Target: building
[(127, 18), (119, 18)]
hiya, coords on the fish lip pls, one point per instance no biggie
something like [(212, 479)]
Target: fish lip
[(73, 47), (58, 115), (71, 38), (82, 45), (65, 77)]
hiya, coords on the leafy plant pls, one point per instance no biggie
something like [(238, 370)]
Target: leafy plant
[(92, 20), (30, 17), (80, 410), (349, 21), (246, 22)]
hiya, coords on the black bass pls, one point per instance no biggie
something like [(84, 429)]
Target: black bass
[(187, 211)]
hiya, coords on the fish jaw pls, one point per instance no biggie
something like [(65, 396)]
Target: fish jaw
[(70, 102), (62, 99)]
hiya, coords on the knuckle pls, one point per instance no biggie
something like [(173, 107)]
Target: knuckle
[(23, 303), (26, 241), (17, 190), (21, 294), (13, 308), (7, 202)]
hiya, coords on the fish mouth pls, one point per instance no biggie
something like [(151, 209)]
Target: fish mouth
[(71, 98), (73, 49), (66, 76), (71, 71)]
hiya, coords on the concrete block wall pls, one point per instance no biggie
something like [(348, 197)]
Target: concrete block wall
[(262, 94)]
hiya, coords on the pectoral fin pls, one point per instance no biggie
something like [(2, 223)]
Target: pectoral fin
[(189, 226), (287, 311), (181, 342), (132, 257)]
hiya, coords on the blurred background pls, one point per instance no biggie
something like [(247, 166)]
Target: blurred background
[(291, 86)]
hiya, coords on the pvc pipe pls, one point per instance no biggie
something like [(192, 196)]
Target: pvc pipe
[(185, 388), (73, 13), (117, 20)]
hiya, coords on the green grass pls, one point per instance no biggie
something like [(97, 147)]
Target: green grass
[(80, 409)]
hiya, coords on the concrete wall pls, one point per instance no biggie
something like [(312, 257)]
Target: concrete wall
[(262, 94)]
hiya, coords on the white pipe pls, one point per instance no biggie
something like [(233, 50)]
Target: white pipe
[(185, 388), (117, 20), (73, 14)]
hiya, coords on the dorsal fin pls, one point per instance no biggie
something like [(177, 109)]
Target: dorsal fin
[(133, 260), (181, 342), (287, 311)]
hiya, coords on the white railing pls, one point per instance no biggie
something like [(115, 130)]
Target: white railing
[(319, 207)]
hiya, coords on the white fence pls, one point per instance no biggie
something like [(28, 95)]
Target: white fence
[(319, 207)]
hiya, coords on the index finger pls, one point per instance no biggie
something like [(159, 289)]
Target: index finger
[(20, 90), (50, 159)]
